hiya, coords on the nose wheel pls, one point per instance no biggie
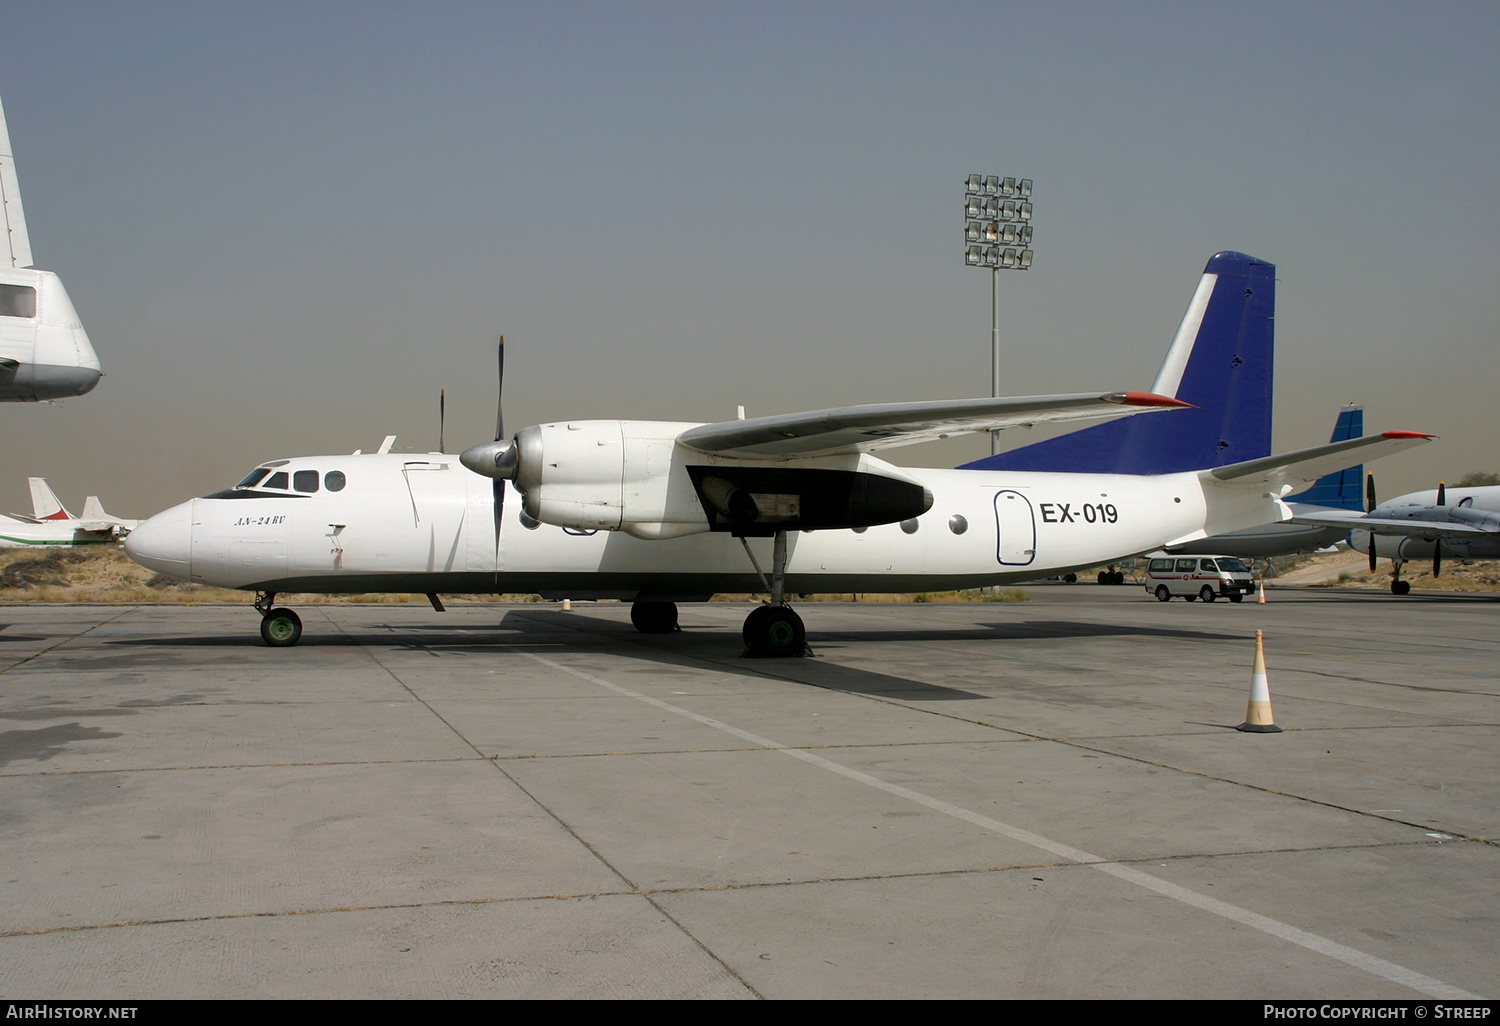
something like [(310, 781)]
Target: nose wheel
[(279, 627)]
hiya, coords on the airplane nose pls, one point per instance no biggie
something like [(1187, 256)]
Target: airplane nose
[(164, 543)]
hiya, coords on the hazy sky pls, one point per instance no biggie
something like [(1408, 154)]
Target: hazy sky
[(288, 225)]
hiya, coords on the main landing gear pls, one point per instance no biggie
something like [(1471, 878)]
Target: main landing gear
[(279, 628), (654, 617), (774, 630), (1398, 586)]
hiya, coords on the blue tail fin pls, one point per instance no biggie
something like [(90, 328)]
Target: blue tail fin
[(1344, 489), (1220, 361)]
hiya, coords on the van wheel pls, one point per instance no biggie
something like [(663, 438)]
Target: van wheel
[(1207, 594), (1162, 594)]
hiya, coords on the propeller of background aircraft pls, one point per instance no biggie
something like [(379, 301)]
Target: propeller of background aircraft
[(1370, 508), (1437, 543)]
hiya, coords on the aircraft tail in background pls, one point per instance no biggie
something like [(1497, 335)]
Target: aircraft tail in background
[(45, 504), (1343, 489)]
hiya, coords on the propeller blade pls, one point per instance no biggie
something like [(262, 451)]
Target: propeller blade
[(1370, 495), (442, 416), (499, 394), (498, 484), (1442, 494), (1372, 552), (1437, 557)]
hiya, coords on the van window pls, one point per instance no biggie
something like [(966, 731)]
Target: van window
[(1161, 566), (1186, 566), (1207, 564), (1230, 565)]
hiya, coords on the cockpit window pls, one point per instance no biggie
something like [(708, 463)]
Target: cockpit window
[(334, 480), (17, 301), (253, 478), (305, 480), (277, 480)]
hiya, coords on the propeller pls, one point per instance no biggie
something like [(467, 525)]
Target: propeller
[(442, 404), (1437, 543), (1370, 508), (498, 485)]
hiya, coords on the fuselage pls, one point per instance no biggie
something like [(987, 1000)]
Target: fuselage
[(22, 534), (1423, 505), (44, 352), (423, 523)]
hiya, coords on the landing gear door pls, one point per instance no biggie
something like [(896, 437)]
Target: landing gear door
[(1016, 525)]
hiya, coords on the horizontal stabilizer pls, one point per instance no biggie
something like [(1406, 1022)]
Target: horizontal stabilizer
[(1290, 469), (853, 429)]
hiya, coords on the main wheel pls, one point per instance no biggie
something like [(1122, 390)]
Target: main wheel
[(1162, 594), (281, 628), (654, 617), (1400, 587), (1207, 594), (774, 631)]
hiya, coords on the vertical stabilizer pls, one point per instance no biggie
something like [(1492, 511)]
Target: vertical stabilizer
[(1343, 489), (17, 249), (44, 504), (1221, 361)]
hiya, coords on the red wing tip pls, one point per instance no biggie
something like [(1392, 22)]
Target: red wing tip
[(1145, 399), (1405, 434)]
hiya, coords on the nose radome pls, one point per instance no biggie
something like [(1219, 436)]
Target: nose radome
[(164, 543)]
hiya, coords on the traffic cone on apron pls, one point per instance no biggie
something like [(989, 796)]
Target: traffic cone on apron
[(1258, 718)]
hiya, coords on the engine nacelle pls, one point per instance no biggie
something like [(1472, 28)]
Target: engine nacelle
[(634, 476), (608, 475)]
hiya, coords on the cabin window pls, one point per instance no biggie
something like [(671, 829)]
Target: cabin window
[(334, 480), (277, 480), (305, 480), (910, 526), (957, 523), (17, 301), (253, 478)]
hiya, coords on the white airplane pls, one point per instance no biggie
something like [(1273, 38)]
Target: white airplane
[(50, 524), (44, 352), (1462, 523), (657, 513)]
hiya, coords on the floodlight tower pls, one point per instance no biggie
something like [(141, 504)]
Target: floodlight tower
[(997, 235)]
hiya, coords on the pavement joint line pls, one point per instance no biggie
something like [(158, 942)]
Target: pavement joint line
[(64, 640), (1076, 742), (562, 823), (1349, 956), (748, 885)]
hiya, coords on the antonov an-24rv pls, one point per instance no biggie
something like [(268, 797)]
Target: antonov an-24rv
[(657, 513)]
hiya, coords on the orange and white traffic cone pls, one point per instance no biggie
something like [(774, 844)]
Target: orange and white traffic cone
[(1258, 718), (1262, 598)]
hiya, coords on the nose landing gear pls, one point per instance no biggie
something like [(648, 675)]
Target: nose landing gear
[(279, 628)]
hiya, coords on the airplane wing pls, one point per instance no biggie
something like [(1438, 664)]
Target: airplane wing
[(1408, 528), (1307, 465), (852, 429)]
